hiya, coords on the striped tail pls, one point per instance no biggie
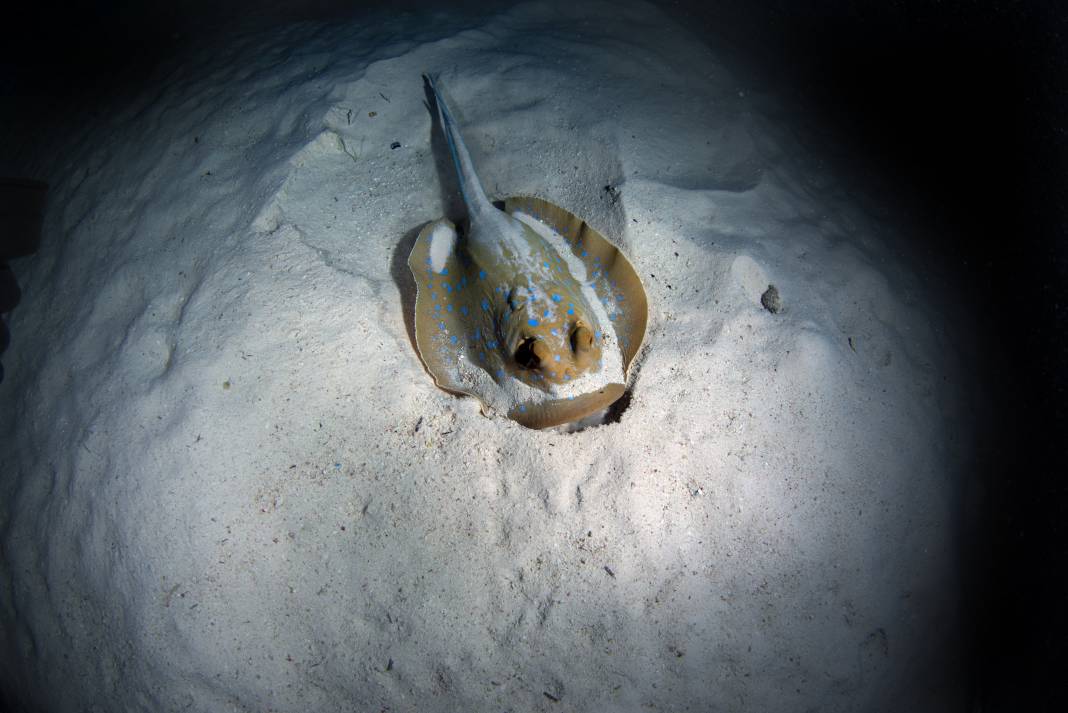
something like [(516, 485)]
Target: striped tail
[(470, 186)]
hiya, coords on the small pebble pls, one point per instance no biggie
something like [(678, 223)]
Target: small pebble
[(771, 300)]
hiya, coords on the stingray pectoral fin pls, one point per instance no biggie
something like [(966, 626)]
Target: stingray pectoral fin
[(546, 414), (615, 278), (435, 323)]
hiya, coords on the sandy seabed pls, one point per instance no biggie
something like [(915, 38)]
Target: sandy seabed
[(230, 485)]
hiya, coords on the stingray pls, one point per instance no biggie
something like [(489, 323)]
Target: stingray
[(528, 309)]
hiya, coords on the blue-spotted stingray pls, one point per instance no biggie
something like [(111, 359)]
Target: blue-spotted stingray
[(529, 309)]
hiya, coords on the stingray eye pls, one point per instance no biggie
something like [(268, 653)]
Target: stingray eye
[(531, 352), (581, 339)]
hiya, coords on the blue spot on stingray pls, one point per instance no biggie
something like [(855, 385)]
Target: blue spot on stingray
[(546, 265), (491, 344), (532, 322), (448, 308), (522, 408), (445, 286), (597, 334), (555, 332), (441, 326), (500, 372), (444, 271), (556, 357), (463, 309), (453, 339), (567, 377), (584, 253), (434, 296), (546, 314), (482, 274), (485, 304), (571, 310), (557, 298), (437, 308)]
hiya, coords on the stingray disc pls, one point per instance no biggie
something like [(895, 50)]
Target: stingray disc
[(461, 316)]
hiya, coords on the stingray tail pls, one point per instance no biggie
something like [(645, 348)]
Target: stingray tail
[(470, 186)]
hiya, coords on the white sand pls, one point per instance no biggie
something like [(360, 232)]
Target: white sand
[(229, 484)]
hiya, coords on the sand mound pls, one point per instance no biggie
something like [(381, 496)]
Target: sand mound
[(230, 484)]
